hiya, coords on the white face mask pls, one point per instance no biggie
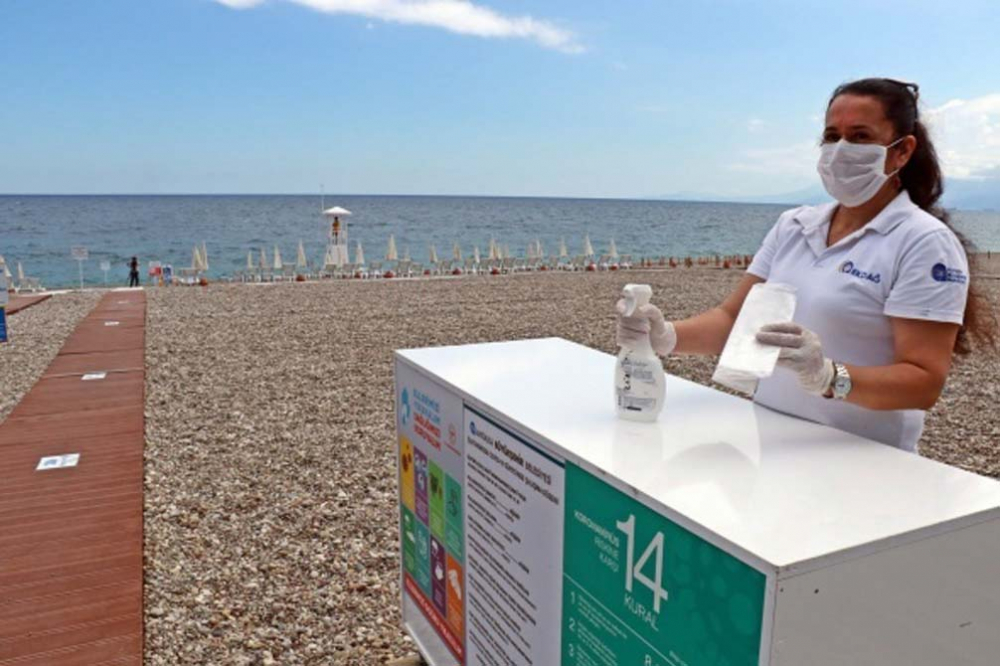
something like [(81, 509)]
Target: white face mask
[(853, 172)]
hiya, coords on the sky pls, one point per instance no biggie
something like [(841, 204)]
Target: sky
[(638, 98)]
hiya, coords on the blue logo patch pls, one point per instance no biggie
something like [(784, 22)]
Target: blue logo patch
[(472, 427), (942, 273), (848, 268)]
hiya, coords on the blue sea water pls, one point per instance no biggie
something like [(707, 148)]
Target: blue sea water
[(39, 231)]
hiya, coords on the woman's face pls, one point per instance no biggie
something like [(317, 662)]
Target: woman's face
[(861, 119)]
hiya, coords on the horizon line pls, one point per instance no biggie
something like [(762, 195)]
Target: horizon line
[(662, 198)]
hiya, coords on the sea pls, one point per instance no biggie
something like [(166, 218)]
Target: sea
[(40, 231)]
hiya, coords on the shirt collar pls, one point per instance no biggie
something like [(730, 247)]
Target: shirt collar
[(812, 218)]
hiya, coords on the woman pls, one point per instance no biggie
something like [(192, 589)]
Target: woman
[(882, 280)]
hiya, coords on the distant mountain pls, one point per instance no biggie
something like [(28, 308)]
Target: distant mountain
[(963, 194)]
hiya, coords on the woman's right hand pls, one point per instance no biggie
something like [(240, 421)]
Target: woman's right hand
[(646, 322)]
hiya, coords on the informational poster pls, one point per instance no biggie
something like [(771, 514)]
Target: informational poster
[(431, 493), (3, 324), (639, 590), (514, 518)]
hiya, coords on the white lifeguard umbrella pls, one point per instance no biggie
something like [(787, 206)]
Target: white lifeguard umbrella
[(390, 252), (337, 211), (432, 251), (613, 250), (278, 265), (300, 259), (475, 253), (359, 255), (563, 251), (204, 256), (456, 252), (263, 259), (588, 249)]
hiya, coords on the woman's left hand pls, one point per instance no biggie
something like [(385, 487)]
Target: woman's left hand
[(802, 353)]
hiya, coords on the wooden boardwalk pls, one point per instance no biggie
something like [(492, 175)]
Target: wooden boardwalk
[(20, 302), (71, 538)]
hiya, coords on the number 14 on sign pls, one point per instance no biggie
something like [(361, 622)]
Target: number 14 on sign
[(634, 569)]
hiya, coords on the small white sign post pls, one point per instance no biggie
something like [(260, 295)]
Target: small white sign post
[(105, 266), (81, 254)]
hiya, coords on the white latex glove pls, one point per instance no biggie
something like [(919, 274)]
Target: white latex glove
[(802, 353), (647, 320)]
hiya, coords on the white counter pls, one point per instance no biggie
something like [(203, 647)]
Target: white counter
[(799, 502)]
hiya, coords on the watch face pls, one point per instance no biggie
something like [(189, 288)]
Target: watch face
[(842, 385)]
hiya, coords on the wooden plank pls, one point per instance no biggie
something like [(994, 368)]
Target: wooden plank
[(53, 395), (71, 539), (20, 302), (111, 361)]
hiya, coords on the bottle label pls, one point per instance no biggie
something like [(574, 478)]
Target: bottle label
[(633, 403)]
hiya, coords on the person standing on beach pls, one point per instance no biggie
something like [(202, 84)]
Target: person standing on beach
[(133, 272), (885, 298)]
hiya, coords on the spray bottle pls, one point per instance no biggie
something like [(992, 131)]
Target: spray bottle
[(639, 379)]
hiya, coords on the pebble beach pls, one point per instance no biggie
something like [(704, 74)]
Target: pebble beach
[(270, 484)]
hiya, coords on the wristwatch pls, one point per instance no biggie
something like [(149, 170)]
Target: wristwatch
[(841, 386)]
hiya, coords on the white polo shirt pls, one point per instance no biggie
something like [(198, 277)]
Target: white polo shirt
[(904, 263)]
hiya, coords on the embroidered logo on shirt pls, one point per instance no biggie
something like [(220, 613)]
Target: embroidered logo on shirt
[(849, 268), (942, 273)]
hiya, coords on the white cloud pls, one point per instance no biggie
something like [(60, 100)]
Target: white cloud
[(458, 16), (966, 133)]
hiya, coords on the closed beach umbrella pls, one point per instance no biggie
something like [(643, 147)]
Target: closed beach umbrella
[(359, 255), (588, 249), (530, 252), (196, 258), (613, 250), (204, 256), (300, 259), (494, 254), (563, 251), (506, 252), (456, 252), (406, 253), (390, 252), (328, 257), (539, 251), (475, 253), (20, 272), (263, 259), (277, 259), (6, 271), (432, 251), (250, 266)]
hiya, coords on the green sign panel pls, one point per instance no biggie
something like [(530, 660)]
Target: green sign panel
[(639, 590), (436, 499), (454, 521)]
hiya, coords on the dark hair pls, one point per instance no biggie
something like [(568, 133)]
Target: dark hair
[(923, 180)]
